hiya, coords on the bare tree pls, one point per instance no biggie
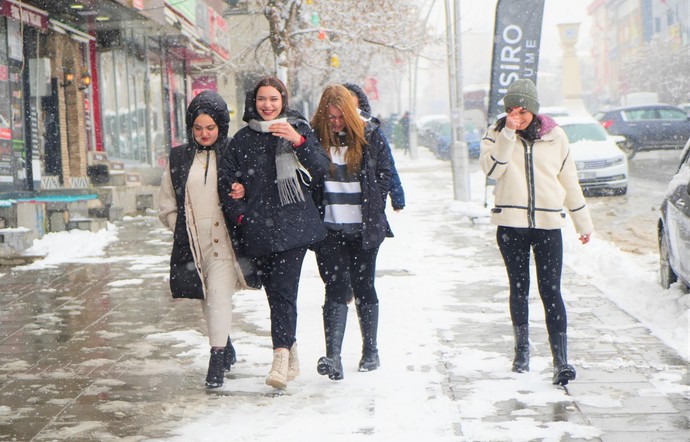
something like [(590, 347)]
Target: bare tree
[(661, 67), (316, 42)]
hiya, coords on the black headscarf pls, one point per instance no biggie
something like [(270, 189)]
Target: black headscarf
[(213, 105)]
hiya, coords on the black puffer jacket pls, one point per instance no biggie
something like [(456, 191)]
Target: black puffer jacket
[(267, 226)]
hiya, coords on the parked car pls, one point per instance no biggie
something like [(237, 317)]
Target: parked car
[(554, 111), (433, 131), (674, 226), (601, 164), (647, 127)]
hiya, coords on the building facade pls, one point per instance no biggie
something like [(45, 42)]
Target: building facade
[(621, 27), (87, 83)]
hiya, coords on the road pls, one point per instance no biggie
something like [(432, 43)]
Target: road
[(630, 220)]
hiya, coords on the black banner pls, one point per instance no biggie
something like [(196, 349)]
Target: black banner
[(517, 37)]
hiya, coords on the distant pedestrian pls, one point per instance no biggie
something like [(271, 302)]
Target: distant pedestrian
[(276, 159), (353, 205), (203, 264), (397, 193), (404, 123), (530, 158)]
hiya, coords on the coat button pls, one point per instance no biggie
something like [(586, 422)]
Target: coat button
[(215, 239), (216, 223), (215, 254)]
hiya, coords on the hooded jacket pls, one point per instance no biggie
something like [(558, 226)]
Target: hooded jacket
[(266, 226), (396, 189), (185, 260), (534, 180)]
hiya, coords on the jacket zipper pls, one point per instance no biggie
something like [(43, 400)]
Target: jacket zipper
[(529, 173)]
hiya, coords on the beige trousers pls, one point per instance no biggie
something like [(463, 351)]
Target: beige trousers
[(219, 279)]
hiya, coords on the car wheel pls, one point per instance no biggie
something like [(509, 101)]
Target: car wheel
[(668, 277), (629, 147)]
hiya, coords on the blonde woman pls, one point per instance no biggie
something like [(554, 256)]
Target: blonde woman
[(353, 204)]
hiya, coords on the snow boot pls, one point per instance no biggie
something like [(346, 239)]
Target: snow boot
[(278, 376), (562, 371), (521, 360), (293, 363), (368, 324), (230, 356), (216, 374), (334, 321)]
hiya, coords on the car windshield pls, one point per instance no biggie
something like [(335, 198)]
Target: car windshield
[(585, 132)]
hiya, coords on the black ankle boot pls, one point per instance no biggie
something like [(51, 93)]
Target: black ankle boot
[(562, 371), (215, 375), (230, 356), (368, 324), (334, 321), (521, 360)]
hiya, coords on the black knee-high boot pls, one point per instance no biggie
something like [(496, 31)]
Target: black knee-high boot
[(368, 323), (334, 321), (521, 360), (562, 371), (216, 374)]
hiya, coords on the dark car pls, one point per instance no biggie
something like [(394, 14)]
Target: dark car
[(434, 132), (647, 127), (674, 226)]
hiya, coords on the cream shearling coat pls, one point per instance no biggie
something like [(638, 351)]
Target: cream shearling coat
[(534, 183)]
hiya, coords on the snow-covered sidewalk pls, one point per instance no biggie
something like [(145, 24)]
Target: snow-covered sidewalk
[(445, 342)]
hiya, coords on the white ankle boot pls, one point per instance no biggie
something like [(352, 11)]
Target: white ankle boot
[(278, 376), (293, 364)]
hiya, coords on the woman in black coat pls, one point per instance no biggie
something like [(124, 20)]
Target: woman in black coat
[(275, 158), (353, 207)]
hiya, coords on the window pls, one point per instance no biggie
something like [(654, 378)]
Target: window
[(672, 114)]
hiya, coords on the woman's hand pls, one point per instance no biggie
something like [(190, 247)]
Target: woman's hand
[(236, 191), (285, 130), (513, 119), (584, 239)]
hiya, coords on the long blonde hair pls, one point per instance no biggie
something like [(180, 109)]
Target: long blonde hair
[(341, 98)]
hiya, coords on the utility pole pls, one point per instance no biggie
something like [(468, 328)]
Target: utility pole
[(458, 148)]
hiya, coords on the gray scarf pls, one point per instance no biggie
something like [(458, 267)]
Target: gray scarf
[(287, 164)]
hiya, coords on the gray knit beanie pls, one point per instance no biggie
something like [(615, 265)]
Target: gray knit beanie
[(522, 93)]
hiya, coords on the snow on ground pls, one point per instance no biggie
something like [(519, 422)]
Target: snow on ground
[(412, 315)]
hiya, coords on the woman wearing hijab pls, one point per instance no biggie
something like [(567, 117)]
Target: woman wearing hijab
[(353, 205), (203, 264), (275, 158), (530, 158)]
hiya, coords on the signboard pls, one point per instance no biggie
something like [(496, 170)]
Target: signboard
[(186, 8), (27, 14), (517, 37), (219, 34)]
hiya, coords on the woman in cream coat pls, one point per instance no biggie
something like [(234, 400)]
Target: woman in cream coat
[(203, 264), (529, 157)]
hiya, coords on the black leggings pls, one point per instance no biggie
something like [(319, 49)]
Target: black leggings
[(344, 266), (547, 245)]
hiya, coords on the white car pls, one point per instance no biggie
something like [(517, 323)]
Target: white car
[(601, 164)]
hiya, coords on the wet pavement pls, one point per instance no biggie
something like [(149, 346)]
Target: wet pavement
[(76, 363)]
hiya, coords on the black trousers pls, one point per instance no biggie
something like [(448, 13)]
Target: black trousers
[(344, 266), (547, 246), (280, 273)]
